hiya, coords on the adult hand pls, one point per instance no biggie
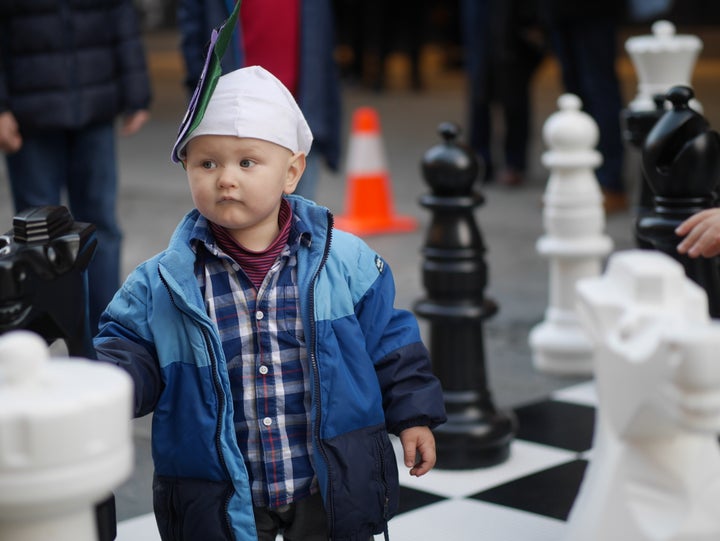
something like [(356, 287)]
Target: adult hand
[(134, 121), (10, 138), (702, 234)]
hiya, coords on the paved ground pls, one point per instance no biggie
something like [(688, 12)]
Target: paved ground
[(154, 196)]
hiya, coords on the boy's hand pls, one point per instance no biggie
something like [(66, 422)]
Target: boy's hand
[(418, 445), (702, 234)]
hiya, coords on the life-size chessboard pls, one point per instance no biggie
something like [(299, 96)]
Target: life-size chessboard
[(526, 498)]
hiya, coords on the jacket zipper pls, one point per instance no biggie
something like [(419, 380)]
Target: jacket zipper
[(316, 374), (218, 427), (217, 385), (383, 480)]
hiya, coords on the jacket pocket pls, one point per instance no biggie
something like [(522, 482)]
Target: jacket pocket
[(364, 482), (191, 509)]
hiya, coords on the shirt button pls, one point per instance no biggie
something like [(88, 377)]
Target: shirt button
[(267, 421), (263, 370), (259, 315)]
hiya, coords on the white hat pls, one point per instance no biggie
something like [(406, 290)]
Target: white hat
[(252, 102)]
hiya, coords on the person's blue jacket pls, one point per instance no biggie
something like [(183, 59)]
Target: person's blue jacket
[(318, 92), (70, 64), (370, 373)]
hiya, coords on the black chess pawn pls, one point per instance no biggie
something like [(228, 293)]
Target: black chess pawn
[(455, 276), (681, 163)]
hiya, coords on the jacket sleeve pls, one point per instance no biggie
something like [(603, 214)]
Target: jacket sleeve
[(412, 395), (134, 80), (124, 340)]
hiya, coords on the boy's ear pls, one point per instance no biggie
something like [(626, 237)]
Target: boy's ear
[(296, 167)]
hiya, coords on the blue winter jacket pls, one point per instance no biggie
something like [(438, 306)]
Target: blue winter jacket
[(69, 64), (370, 374), (318, 92)]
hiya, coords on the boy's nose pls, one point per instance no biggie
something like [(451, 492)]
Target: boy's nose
[(227, 179)]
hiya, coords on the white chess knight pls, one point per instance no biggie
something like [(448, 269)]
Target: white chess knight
[(574, 241), (662, 60), (654, 472), (65, 440)]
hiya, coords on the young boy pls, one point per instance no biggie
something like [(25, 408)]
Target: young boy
[(267, 346)]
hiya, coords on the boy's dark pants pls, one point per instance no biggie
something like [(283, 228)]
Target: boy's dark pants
[(303, 520)]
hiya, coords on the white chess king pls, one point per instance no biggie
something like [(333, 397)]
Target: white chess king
[(654, 472), (662, 60)]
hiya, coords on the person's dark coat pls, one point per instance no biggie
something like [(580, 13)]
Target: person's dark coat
[(68, 64)]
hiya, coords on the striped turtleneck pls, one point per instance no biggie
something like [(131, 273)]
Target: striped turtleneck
[(256, 264)]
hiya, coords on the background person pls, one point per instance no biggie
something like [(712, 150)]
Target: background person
[(67, 71)]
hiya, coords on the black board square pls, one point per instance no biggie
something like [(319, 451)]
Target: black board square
[(557, 424), (411, 499), (550, 492)]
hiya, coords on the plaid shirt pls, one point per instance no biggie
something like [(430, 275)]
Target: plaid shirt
[(264, 344)]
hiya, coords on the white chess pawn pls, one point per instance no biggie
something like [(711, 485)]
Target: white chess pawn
[(65, 440), (654, 472), (662, 60), (573, 242)]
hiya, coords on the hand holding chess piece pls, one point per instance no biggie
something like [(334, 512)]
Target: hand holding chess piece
[(654, 473), (701, 234), (681, 162)]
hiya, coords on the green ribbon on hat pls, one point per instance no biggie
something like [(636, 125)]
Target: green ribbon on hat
[(211, 72)]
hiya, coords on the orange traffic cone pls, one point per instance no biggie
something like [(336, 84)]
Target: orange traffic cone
[(369, 205)]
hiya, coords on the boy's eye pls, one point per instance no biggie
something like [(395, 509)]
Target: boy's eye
[(246, 163), (207, 164)]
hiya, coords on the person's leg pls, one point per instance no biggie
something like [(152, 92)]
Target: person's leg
[(517, 112), (523, 54), (595, 46), (561, 38), (267, 523), (475, 21), (308, 521), (38, 170), (92, 196)]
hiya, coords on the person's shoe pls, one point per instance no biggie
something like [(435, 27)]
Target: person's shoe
[(511, 177), (615, 202)]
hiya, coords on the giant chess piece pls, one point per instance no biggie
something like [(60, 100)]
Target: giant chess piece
[(43, 288), (43, 277), (573, 242), (654, 472), (661, 60), (65, 440), (681, 161), (454, 272)]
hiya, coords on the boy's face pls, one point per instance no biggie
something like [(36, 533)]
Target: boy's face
[(238, 183)]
